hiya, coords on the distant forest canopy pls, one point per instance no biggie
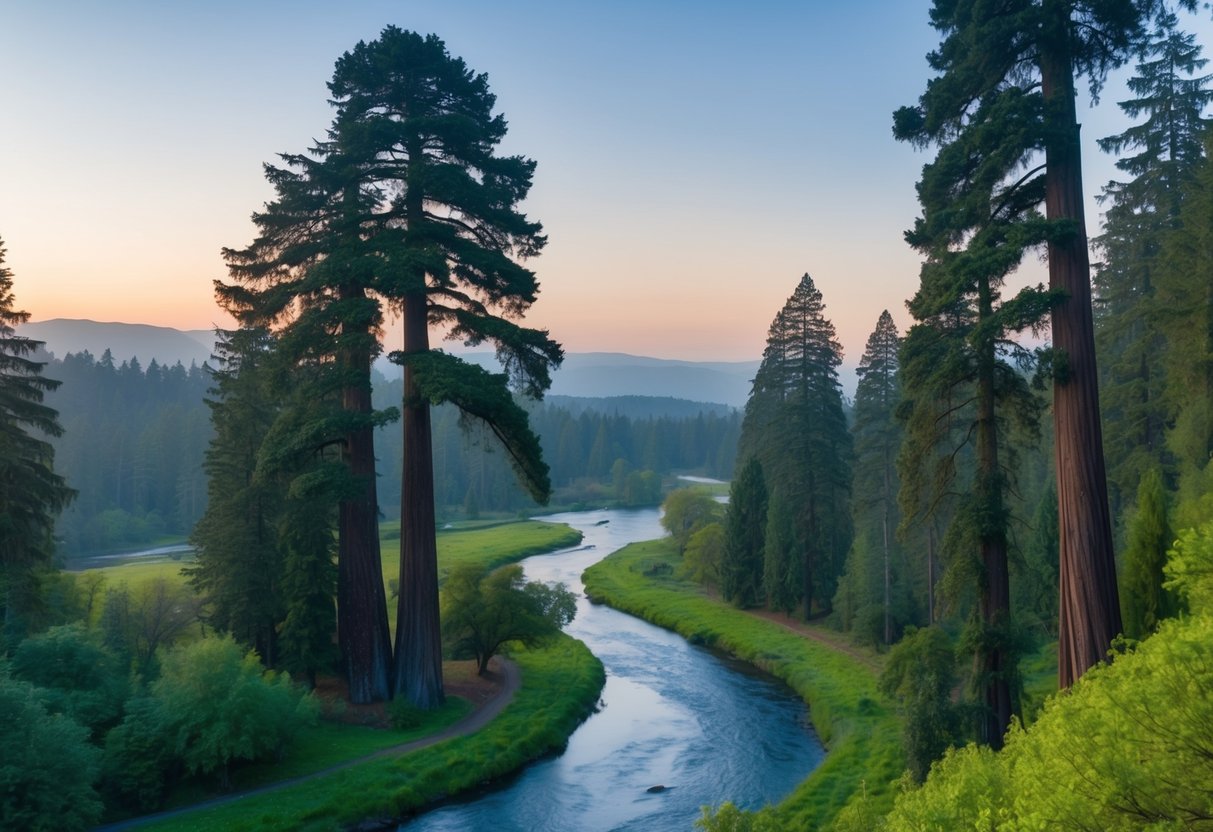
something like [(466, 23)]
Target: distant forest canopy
[(134, 439)]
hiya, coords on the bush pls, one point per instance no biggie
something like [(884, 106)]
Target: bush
[(75, 675), (47, 767), (217, 706), (138, 764), (1129, 747)]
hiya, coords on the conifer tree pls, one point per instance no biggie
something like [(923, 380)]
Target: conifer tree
[(1006, 90), (745, 522), (781, 578), (313, 272), (238, 566), (795, 426), (450, 235), (877, 437), (1143, 599), (1164, 149), (31, 493)]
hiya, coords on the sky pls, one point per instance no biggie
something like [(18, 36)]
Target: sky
[(694, 158)]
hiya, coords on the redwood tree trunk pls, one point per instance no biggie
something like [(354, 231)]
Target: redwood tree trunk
[(362, 628), (418, 633), (1089, 605)]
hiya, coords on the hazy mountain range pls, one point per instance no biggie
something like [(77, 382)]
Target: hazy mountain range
[(592, 375)]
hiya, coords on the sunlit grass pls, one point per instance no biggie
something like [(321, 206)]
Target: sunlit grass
[(859, 727), (560, 686)]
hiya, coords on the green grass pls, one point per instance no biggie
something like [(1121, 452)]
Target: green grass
[(859, 727), (560, 686), (487, 543)]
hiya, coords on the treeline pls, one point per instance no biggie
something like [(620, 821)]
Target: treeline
[(134, 439), (132, 446), (593, 455)]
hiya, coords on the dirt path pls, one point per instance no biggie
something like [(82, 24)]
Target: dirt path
[(484, 713)]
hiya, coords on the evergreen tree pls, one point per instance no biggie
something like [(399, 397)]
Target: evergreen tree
[(795, 426), (1164, 148), (781, 570), (449, 233), (1005, 93), (31, 493), (979, 215), (877, 437), (745, 521), (239, 567), (1143, 599)]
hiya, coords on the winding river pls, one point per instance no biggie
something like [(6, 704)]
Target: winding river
[(707, 728)]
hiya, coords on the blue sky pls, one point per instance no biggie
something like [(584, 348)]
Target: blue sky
[(695, 158)]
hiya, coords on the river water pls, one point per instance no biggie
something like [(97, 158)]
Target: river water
[(676, 715)]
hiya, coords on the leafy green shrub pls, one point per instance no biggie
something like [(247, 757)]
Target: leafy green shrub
[(138, 764), (217, 705), (47, 767), (1129, 747), (75, 675)]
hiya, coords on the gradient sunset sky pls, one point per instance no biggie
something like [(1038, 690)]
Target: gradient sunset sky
[(695, 158)]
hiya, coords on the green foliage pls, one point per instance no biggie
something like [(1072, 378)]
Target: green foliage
[(139, 761), (74, 676), (47, 767), (853, 720), (136, 623), (782, 578), (920, 675), (795, 427), (218, 705), (686, 511), (31, 493), (1129, 747), (704, 554), (1189, 568), (1143, 600), (745, 523), (1164, 151), (728, 818), (481, 612), (561, 685)]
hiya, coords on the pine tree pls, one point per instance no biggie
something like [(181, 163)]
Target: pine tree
[(877, 437), (781, 578), (745, 522), (1005, 93), (313, 271), (238, 566), (795, 426), (450, 234), (1165, 148), (31, 493), (1143, 599)]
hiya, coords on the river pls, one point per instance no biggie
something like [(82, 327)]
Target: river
[(706, 727)]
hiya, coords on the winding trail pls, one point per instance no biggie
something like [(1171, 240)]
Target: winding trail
[(484, 713)]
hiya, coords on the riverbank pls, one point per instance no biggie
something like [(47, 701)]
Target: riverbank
[(857, 725), (560, 685)]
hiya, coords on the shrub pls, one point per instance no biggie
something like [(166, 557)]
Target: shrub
[(218, 706), (47, 767)]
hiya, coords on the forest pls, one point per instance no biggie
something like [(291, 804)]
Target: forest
[(1011, 519)]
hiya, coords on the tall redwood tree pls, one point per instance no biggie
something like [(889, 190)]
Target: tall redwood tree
[(450, 236)]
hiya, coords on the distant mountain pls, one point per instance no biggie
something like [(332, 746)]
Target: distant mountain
[(638, 407), (595, 375), (124, 341)]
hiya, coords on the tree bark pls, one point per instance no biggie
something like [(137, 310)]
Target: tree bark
[(418, 626), (362, 627), (1089, 605)]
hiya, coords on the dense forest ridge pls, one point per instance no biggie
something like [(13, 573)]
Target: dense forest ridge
[(590, 374), (135, 435)]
